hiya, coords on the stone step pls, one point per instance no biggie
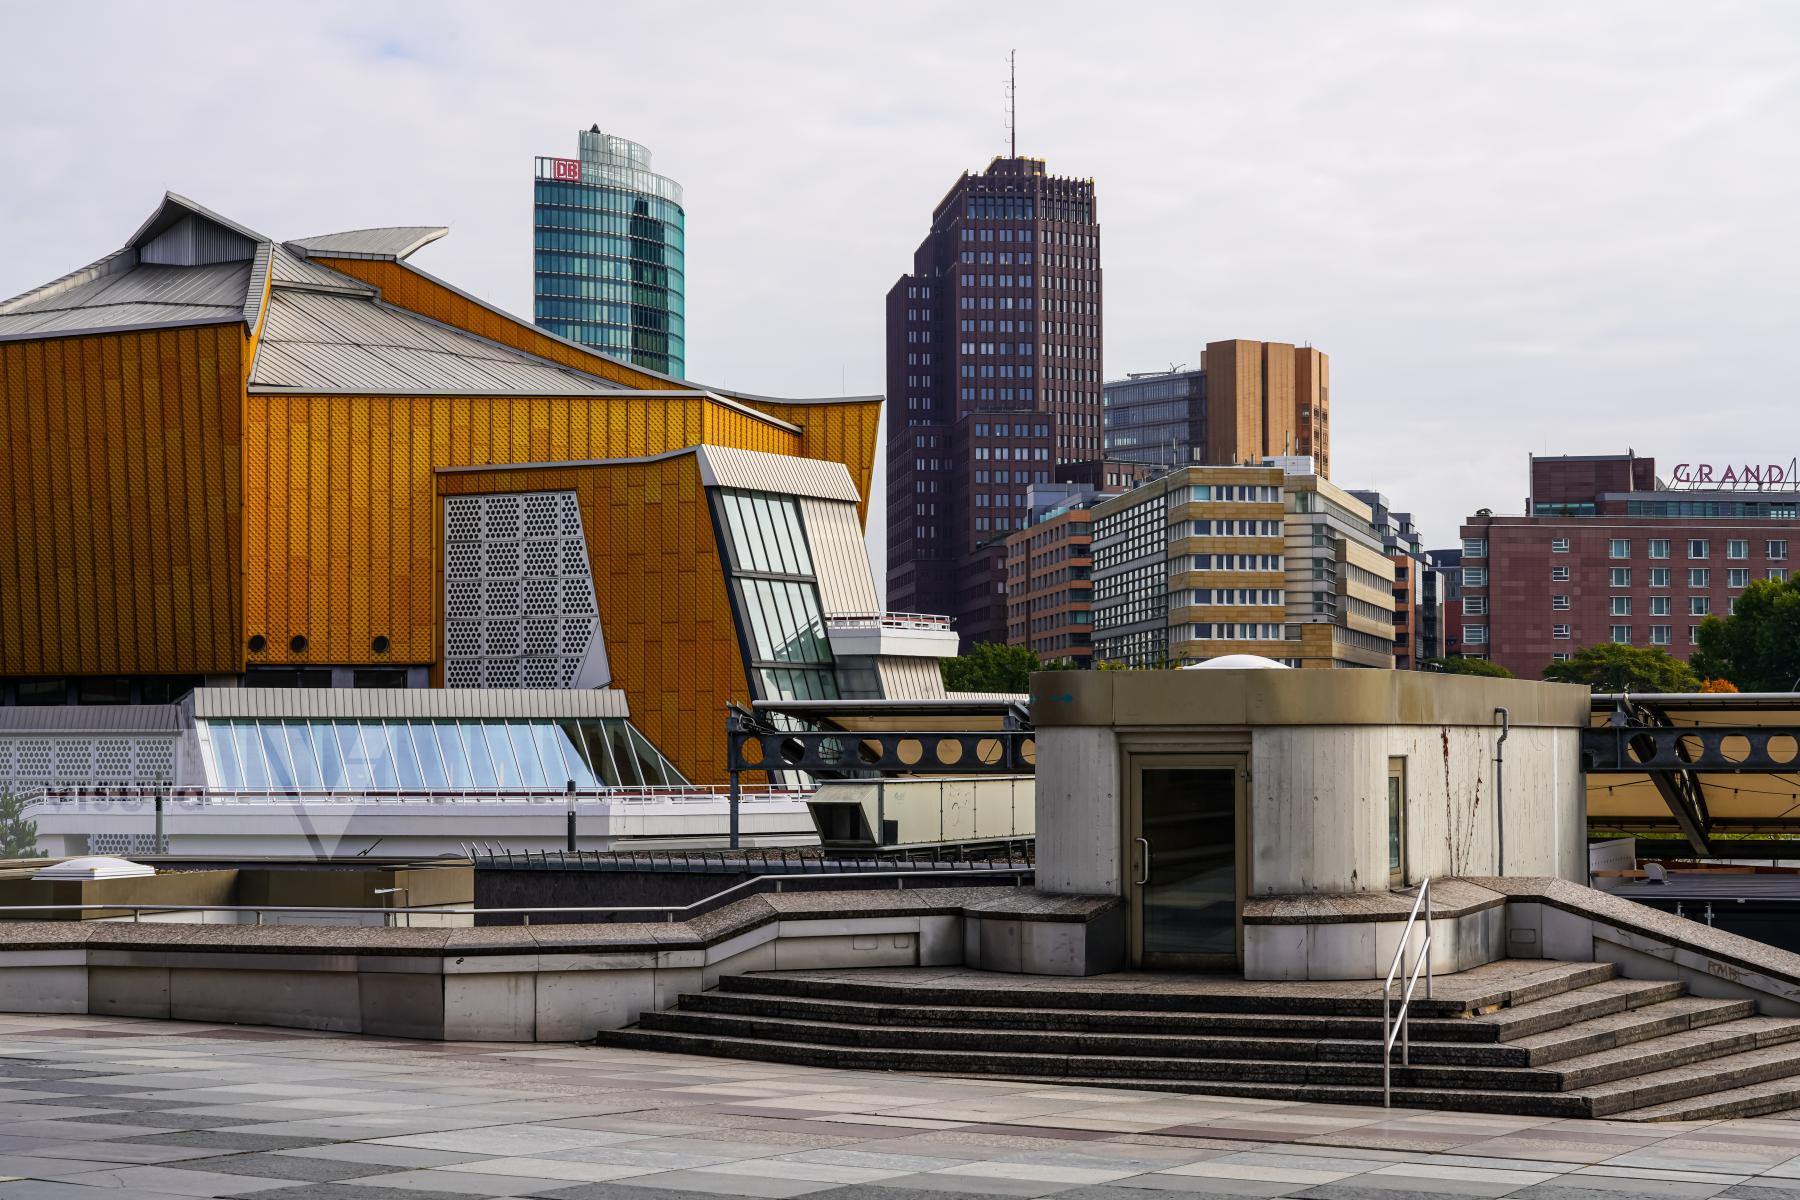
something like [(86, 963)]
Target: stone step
[(1562, 1009), (1512, 984), (1595, 1035), (1166, 1056), (1228, 1083), (1709, 1045), (1653, 1096), (1610, 998), (1752, 1100)]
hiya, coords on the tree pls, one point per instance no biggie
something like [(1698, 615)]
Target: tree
[(18, 836), (1758, 647), (1612, 667), (991, 667), (1717, 685), (1456, 664)]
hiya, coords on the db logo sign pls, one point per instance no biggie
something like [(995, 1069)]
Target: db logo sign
[(566, 168)]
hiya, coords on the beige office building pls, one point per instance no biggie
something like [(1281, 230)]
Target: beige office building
[(1265, 399), (1272, 560)]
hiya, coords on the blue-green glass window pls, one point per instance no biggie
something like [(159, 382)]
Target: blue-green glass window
[(506, 771), (331, 760), (456, 758), (481, 767), (275, 752), (230, 771), (406, 764), (306, 765), (525, 753), (406, 755), (250, 755), (431, 762), (624, 756), (356, 759)]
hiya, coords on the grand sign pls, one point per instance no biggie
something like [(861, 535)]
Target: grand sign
[(1737, 475), (566, 168)]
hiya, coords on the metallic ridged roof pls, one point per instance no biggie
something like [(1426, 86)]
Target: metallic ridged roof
[(90, 719), (146, 294), (324, 341), (753, 470), (467, 703), (395, 243), (293, 271), (184, 266)]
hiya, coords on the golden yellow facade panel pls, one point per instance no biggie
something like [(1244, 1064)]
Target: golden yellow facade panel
[(119, 470)]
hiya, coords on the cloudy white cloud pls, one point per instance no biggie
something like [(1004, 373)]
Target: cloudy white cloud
[(1530, 227)]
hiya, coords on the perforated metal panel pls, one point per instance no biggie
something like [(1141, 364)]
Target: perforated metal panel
[(33, 762), (519, 608)]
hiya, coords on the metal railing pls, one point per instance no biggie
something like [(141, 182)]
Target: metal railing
[(893, 620), (1018, 875), (1393, 1026), (659, 794)]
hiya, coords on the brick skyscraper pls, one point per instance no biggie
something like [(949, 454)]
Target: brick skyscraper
[(994, 379)]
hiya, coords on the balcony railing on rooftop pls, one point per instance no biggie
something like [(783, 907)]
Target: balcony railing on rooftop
[(893, 620), (673, 794)]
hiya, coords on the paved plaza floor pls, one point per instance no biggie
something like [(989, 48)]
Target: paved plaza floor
[(157, 1108)]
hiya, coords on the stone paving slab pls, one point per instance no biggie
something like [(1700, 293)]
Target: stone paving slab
[(92, 1105)]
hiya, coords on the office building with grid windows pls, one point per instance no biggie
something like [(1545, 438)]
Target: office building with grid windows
[(1272, 560), (994, 380), (609, 253), (1608, 551)]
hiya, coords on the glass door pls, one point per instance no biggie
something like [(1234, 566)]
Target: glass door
[(1184, 857)]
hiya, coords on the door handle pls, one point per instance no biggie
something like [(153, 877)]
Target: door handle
[(1144, 870)]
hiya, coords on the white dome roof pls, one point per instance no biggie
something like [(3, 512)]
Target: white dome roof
[(1238, 662), (97, 866)]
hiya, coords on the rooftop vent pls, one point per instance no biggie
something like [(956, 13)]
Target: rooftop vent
[(97, 866)]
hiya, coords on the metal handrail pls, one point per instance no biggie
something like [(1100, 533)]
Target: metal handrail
[(1393, 1026), (670, 910), (676, 795)]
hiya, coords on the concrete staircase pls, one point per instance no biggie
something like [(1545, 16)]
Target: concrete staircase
[(1570, 1039)]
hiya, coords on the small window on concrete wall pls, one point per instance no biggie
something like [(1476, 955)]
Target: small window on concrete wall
[(1396, 821)]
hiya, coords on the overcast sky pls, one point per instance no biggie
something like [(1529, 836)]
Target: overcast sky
[(1515, 228)]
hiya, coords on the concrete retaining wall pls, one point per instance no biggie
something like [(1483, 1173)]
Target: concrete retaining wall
[(537, 984)]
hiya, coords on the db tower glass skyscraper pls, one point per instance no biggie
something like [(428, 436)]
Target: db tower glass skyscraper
[(608, 238)]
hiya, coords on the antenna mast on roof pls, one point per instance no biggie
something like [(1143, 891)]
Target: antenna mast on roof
[(1012, 103)]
